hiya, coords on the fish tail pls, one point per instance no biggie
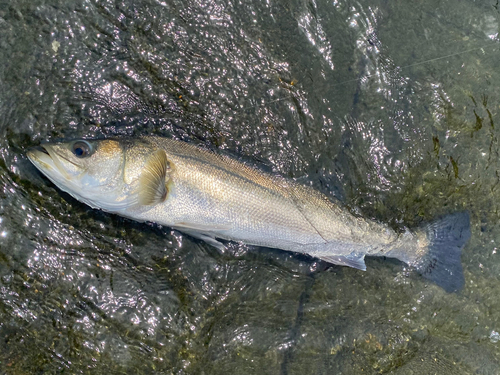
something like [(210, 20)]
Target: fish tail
[(441, 263)]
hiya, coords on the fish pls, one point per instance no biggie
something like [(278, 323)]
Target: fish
[(214, 198)]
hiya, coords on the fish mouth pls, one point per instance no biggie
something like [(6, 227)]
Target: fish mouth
[(41, 158), (49, 161), (40, 149)]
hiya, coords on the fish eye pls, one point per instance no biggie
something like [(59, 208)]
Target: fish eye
[(81, 149)]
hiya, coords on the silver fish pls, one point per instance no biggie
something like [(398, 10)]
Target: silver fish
[(212, 197)]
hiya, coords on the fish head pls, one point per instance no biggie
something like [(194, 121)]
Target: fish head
[(89, 170), (115, 175)]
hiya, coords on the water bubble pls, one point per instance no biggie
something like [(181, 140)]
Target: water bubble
[(494, 337)]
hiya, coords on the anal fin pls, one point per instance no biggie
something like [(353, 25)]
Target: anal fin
[(352, 260)]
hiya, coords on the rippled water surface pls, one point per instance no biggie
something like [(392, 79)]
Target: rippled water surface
[(391, 106)]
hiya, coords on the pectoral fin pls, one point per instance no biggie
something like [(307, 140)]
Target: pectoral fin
[(152, 182)]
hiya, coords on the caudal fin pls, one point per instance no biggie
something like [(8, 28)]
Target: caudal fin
[(441, 264)]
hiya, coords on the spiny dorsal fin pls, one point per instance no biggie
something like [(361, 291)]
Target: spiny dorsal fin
[(152, 183)]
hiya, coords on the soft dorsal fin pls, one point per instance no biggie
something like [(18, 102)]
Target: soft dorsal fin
[(152, 182)]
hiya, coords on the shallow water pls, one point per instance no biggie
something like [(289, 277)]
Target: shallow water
[(391, 107)]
